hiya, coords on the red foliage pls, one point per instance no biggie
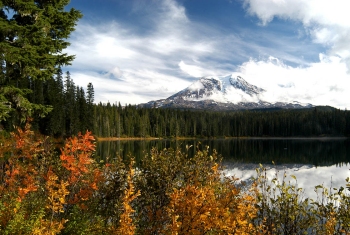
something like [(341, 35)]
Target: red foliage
[(76, 158)]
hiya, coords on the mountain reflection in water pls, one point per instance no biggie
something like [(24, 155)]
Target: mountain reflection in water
[(317, 152), (308, 176), (312, 161)]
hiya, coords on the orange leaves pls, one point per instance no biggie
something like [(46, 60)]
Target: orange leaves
[(126, 223), (20, 180), (193, 210), (19, 174), (76, 154), (35, 189), (83, 174), (27, 145), (331, 223), (43, 194)]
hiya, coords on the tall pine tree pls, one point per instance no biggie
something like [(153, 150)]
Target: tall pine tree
[(33, 36), (90, 97)]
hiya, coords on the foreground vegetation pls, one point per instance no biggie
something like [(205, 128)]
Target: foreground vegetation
[(49, 191)]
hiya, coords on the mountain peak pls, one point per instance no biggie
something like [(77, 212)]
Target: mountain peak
[(220, 93), (239, 83), (225, 89)]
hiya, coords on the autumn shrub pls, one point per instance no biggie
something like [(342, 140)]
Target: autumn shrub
[(40, 187), (109, 199), (182, 195), (127, 225), (216, 206), (282, 208), (27, 203), (161, 172), (332, 209), (45, 191)]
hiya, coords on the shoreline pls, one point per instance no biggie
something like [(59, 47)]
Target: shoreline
[(143, 138), (221, 138)]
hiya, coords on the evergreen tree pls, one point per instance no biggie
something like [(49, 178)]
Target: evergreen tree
[(54, 123), (69, 102), (90, 98), (33, 36), (90, 94), (141, 122)]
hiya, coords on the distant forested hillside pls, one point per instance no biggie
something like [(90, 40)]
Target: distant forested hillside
[(114, 120)]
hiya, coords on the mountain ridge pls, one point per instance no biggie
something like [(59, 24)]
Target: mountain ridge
[(221, 94)]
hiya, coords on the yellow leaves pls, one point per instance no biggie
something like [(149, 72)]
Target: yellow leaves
[(180, 195), (126, 223), (203, 209), (34, 187), (49, 227), (56, 192), (331, 223)]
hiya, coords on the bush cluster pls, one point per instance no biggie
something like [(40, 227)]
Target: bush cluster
[(48, 191)]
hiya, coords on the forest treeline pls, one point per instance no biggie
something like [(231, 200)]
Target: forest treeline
[(111, 120), (70, 108)]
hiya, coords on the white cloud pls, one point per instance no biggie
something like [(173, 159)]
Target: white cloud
[(145, 65), (327, 21), (191, 70), (323, 83), (196, 71), (323, 12), (116, 72), (130, 65)]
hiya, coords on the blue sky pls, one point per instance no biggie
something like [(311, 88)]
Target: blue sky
[(135, 51)]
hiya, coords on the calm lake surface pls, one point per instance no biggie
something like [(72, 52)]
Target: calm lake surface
[(312, 161)]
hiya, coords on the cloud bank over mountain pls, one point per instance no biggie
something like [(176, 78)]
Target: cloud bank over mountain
[(139, 52)]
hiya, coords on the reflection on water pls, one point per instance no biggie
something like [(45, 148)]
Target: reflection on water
[(308, 176), (318, 152), (312, 161)]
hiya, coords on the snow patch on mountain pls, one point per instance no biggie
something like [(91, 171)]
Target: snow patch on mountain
[(225, 89)]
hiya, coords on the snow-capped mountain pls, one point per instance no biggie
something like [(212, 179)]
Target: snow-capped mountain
[(221, 93), (227, 89)]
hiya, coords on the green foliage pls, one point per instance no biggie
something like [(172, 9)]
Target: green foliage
[(332, 210), (284, 210), (113, 121), (32, 39), (167, 178), (111, 191), (15, 105)]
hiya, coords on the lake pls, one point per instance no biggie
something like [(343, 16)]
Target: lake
[(312, 161)]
